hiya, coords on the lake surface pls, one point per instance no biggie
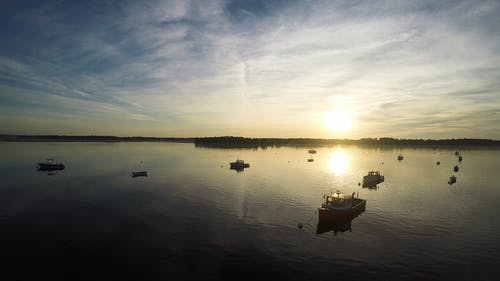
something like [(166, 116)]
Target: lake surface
[(194, 218)]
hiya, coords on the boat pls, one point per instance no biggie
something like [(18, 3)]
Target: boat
[(457, 153), (340, 206), (312, 151), (239, 164), (438, 163), (373, 178), (460, 158), (452, 180), (310, 160), (455, 169), (50, 165), (139, 174), (400, 157)]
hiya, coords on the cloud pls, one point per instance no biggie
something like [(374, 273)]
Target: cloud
[(401, 67)]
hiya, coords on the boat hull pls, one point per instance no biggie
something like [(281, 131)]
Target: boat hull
[(50, 167), (372, 183), (325, 214), (139, 174), (239, 166)]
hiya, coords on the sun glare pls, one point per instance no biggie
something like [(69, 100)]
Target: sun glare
[(338, 120), (338, 162)]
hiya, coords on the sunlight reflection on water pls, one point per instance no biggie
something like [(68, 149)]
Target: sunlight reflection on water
[(338, 161)]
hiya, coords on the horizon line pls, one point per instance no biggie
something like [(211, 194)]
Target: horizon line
[(232, 136)]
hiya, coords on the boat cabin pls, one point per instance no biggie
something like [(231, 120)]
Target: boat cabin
[(338, 200)]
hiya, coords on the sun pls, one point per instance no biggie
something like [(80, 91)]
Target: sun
[(338, 120)]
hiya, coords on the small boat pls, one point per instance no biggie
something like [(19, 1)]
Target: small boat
[(400, 157), (455, 169), (310, 160), (438, 163), (139, 174), (452, 180), (460, 158), (340, 206), (239, 164), (312, 151), (50, 165), (457, 153), (373, 178)]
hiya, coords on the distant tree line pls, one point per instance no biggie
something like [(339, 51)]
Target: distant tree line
[(242, 142)]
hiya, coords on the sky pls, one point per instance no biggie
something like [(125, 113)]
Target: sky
[(319, 69)]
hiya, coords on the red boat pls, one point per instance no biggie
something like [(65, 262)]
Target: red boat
[(341, 206)]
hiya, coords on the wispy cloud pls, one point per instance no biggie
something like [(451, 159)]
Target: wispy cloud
[(188, 67)]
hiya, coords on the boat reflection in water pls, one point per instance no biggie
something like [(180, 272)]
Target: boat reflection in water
[(342, 224)]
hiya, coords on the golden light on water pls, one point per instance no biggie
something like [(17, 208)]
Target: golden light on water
[(338, 162), (339, 120)]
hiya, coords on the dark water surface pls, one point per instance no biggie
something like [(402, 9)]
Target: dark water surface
[(194, 218)]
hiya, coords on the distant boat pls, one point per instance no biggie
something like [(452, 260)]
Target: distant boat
[(460, 158), (50, 165), (310, 160), (455, 169), (340, 206), (373, 178), (312, 151), (452, 180), (139, 174), (438, 163), (400, 157), (456, 153), (239, 164)]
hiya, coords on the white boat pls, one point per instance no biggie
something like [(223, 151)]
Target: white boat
[(373, 178), (340, 206), (139, 174), (50, 165)]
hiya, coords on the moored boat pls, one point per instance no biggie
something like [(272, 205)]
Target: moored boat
[(312, 151), (373, 178), (400, 157), (139, 174), (239, 164), (340, 206), (455, 169), (460, 158), (50, 165), (452, 179)]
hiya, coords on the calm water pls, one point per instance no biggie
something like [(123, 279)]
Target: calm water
[(194, 218)]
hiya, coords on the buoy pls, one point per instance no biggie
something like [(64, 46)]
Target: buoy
[(300, 225)]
